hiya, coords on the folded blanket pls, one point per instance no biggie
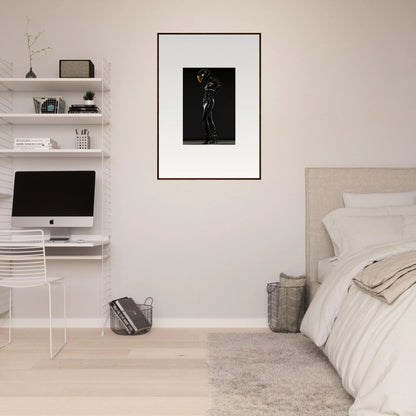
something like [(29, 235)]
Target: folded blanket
[(388, 278)]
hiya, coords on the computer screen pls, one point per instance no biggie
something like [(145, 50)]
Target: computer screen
[(53, 198)]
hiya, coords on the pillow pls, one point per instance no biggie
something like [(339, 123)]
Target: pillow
[(409, 229), (341, 231), (379, 200), (356, 233)]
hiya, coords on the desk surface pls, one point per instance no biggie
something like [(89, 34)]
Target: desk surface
[(75, 243)]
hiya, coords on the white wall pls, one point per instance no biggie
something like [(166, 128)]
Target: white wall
[(339, 89)]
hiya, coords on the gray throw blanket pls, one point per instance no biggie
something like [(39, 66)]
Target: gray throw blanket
[(388, 278)]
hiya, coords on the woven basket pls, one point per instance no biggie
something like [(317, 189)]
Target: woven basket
[(286, 303)]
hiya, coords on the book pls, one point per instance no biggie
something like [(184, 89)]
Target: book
[(33, 148), (133, 314), (121, 317), (23, 146), (82, 108), (31, 140), (21, 143)]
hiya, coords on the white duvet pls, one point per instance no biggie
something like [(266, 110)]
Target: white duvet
[(370, 343)]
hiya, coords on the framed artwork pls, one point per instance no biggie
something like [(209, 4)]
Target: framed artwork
[(209, 106)]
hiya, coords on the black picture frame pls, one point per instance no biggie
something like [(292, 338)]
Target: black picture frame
[(171, 80)]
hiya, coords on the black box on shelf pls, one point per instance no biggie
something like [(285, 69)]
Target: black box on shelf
[(76, 68)]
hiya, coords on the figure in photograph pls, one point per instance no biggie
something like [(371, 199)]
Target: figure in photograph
[(208, 124), (211, 85)]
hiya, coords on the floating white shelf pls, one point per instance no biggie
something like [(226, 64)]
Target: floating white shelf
[(52, 84), (92, 153), (31, 119), (80, 257)]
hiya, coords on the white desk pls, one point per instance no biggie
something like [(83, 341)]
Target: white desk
[(75, 243), (56, 250)]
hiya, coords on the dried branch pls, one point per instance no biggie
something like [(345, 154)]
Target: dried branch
[(31, 40)]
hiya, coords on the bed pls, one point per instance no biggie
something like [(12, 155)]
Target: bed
[(371, 344)]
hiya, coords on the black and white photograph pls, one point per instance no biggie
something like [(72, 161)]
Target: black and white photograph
[(208, 106)]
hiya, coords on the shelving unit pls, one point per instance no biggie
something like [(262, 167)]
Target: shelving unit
[(90, 249)]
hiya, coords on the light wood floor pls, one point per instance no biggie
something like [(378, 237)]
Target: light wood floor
[(161, 373)]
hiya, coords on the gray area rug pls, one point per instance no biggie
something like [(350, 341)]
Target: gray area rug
[(272, 374)]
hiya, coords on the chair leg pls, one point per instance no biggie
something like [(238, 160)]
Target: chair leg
[(10, 319), (64, 289), (51, 353)]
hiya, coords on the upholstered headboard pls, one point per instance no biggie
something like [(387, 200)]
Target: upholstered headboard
[(324, 188)]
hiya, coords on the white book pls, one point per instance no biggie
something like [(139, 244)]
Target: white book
[(36, 149), (32, 140), (23, 148), (32, 145), (51, 144), (25, 139), (19, 140)]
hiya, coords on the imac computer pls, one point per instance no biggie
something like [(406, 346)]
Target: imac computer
[(54, 199)]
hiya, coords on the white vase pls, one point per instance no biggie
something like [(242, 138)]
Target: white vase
[(89, 102)]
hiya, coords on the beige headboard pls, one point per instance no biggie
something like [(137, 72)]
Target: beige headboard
[(324, 188)]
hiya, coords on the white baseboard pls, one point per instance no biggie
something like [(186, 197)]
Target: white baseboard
[(44, 323), (157, 323), (209, 323)]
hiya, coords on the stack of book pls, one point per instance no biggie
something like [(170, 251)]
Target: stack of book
[(34, 144), (83, 108), (130, 315)]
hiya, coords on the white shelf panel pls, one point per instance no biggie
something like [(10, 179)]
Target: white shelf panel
[(56, 153), (80, 257), (51, 119), (51, 84)]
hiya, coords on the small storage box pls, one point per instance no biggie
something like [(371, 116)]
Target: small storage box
[(117, 325), (286, 303), (49, 105)]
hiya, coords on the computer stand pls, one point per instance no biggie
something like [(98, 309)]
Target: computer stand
[(60, 234)]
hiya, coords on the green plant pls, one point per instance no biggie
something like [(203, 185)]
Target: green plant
[(89, 95), (31, 40)]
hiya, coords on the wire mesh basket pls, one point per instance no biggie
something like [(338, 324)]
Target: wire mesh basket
[(117, 326), (49, 105), (286, 303)]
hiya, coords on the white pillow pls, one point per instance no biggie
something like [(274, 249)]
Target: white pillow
[(379, 200), (349, 234), (356, 233), (409, 229)]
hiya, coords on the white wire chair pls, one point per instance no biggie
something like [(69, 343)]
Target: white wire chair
[(23, 265)]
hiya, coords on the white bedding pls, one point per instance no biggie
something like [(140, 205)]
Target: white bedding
[(325, 267), (371, 344)]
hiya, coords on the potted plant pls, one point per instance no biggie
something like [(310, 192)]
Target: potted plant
[(89, 97)]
